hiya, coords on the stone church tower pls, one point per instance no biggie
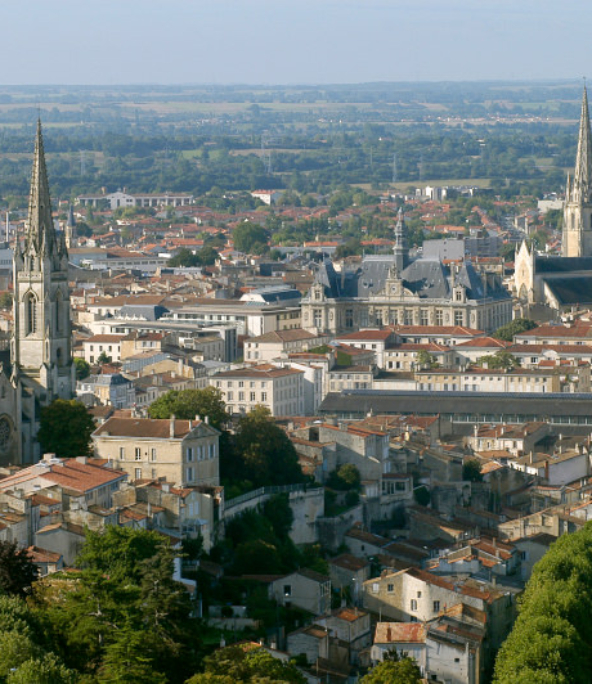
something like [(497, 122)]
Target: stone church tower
[(577, 216), (40, 348)]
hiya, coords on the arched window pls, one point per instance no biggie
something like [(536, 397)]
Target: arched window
[(30, 314)]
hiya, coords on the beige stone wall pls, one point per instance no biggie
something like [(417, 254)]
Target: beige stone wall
[(191, 461)]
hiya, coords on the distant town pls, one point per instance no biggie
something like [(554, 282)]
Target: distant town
[(322, 418)]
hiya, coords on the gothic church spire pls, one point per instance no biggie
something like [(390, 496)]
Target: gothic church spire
[(40, 235), (583, 170)]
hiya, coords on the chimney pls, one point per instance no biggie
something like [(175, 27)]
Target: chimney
[(172, 426)]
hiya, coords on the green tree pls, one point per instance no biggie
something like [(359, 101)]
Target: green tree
[(234, 664), (262, 452), (82, 368), (47, 669), (125, 595), (426, 360), (403, 671), (104, 358), (550, 640), (472, 470), (346, 477), (250, 238), (17, 571), (65, 429), (502, 359), (186, 404), (207, 256), (517, 326), (5, 300), (184, 258)]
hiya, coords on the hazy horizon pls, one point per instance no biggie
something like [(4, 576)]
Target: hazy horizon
[(309, 42)]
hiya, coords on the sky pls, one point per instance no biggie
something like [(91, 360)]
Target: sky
[(112, 42)]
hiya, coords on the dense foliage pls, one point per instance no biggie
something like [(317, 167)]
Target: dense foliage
[(187, 404), (517, 326), (551, 640), (259, 454), (122, 617), (236, 665), (17, 572), (66, 427)]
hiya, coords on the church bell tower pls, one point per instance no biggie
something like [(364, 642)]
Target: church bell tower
[(41, 353), (577, 215)]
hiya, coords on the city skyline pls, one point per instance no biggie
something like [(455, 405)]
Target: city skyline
[(320, 42)]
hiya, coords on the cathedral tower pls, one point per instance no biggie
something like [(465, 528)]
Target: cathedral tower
[(41, 355), (577, 215)]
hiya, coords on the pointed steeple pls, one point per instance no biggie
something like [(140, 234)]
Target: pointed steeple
[(401, 248), (40, 230), (583, 171)]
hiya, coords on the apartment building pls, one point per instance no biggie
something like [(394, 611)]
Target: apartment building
[(184, 452), (281, 390)]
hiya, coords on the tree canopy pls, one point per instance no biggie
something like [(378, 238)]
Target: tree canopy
[(502, 359), (186, 404), (17, 571), (518, 325), (250, 238), (66, 427), (394, 670), (124, 618), (260, 453), (234, 664), (551, 639)]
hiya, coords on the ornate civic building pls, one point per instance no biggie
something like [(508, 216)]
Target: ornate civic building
[(38, 367), (564, 282), (392, 289)]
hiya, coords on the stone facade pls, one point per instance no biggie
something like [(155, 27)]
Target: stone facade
[(182, 452), (40, 349), (390, 290)]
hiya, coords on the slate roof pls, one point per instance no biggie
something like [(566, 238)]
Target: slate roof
[(535, 406), (559, 264), (571, 290), (427, 278)]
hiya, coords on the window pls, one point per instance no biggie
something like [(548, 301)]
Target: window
[(252, 396), (375, 587), (349, 318), (419, 594), (212, 450), (458, 318), (287, 590), (423, 317), (241, 396), (154, 454), (241, 383), (229, 396), (436, 606), (317, 317), (263, 396), (189, 474), (122, 452), (138, 473), (413, 604), (138, 454), (30, 314), (390, 588), (189, 453), (439, 317)]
